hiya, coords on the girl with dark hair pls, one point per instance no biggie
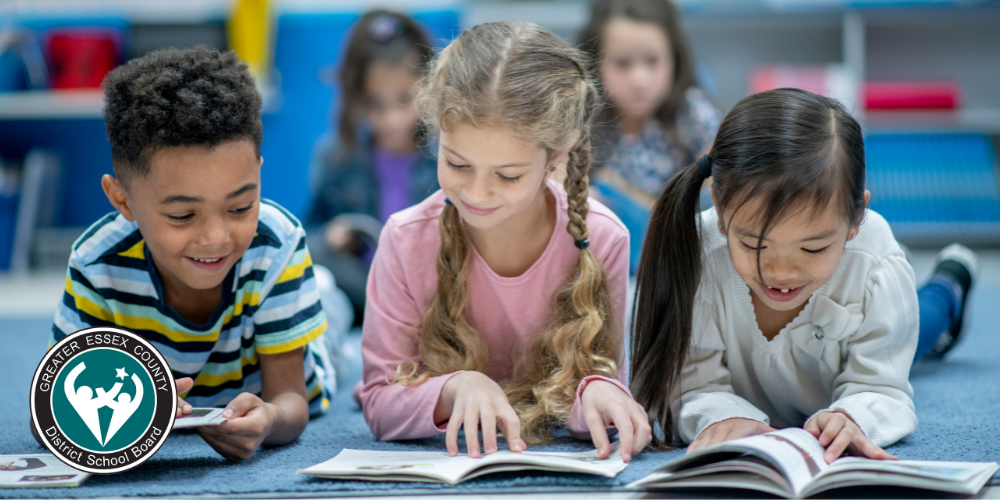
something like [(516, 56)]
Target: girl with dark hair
[(786, 304), (377, 165), (658, 119)]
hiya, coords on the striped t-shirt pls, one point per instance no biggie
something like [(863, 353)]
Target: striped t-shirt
[(270, 305)]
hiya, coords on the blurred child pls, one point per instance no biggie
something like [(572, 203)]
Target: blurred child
[(218, 279), (499, 301), (658, 119), (376, 166), (788, 303)]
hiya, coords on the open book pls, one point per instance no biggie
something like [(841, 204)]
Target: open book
[(37, 470), (789, 463), (438, 467)]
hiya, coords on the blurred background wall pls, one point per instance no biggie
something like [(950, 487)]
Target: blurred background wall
[(932, 162)]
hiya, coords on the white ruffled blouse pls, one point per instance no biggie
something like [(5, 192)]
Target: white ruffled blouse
[(850, 348)]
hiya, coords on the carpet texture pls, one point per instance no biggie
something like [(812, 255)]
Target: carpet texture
[(957, 400)]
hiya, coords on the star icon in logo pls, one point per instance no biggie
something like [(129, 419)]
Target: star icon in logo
[(120, 373)]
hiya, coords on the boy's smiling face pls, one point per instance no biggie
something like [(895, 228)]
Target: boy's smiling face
[(197, 209)]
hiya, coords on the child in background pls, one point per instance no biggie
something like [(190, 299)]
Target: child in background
[(219, 280), (788, 303), (658, 120), (377, 166), (499, 301)]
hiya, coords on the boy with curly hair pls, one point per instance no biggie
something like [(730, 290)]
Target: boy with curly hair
[(218, 279)]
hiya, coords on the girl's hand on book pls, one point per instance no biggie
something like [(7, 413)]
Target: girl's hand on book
[(248, 422), (605, 404), (837, 432), (183, 385), (470, 399), (733, 428)]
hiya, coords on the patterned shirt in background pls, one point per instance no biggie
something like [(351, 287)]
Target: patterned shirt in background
[(270, 305), (649, 159)]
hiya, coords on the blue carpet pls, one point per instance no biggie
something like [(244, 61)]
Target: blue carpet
[(957, 401)]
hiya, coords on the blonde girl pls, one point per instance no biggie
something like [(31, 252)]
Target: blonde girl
[(788, 303), (498, 302)]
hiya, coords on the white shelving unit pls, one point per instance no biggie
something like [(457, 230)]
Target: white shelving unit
[(82, 104)]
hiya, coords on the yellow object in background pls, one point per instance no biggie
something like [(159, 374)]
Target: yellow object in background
[(251, 31)]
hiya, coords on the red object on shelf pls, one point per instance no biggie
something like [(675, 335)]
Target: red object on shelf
[(912, 95), (80, 58)]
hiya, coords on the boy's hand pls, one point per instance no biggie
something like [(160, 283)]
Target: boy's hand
[(733, 428), (248, 422), (183, 385), (604, 404), (837, 432), (470, 399)]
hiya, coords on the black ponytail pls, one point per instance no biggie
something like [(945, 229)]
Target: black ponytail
[(791, 149), (669, 271)]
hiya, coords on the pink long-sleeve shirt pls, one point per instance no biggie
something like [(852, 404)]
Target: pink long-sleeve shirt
[(507, 312)]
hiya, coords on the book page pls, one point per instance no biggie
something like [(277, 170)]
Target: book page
[(39, 470), (416, 466), (955, 477), (793, 452), (359, 464), (582, 462), (944, 471), (199, 417)]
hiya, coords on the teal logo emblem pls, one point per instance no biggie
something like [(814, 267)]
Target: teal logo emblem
[(103, 400)]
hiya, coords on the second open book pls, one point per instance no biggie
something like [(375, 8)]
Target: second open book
[(789, 463)]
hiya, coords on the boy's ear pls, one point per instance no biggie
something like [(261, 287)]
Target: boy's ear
[(116, 195)]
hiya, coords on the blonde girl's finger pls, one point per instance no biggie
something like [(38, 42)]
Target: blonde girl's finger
[(510, 424), (838, 446), (643, 431), (598, 433), (626, 433), (488, 420), (472, 432), (832, 429), (451, 434)]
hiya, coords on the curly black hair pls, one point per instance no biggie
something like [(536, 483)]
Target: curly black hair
[(178, 97)]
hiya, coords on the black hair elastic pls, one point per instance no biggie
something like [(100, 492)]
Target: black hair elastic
[(582, 244), (705, 166)]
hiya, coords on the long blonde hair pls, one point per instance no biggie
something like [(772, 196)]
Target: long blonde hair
[(529, 82)]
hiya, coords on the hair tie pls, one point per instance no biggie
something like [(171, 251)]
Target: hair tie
[(384, 28), (705, 166), (446, 200), (582, 244)]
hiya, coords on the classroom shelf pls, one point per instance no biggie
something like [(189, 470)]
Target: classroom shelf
[(83, 104), (935, 188), (47, 105)]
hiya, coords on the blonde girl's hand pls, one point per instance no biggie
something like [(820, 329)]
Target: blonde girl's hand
[(604, 404), (837, 432), (183, 385), (726, 430), (470, 399)]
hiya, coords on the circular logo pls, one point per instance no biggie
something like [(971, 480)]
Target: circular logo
[(103, 400)]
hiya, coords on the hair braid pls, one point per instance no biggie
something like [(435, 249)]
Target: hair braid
[(447, 342)]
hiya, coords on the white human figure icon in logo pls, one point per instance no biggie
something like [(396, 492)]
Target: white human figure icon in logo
[(123, 408), (85, 404)]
